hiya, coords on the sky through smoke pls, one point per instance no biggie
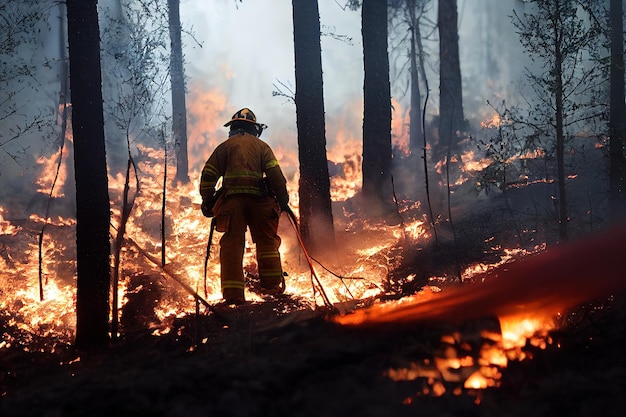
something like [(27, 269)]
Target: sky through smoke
[(241, 52), (247, 51)]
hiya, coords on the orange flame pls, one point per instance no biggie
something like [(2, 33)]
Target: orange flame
[(48, 172)]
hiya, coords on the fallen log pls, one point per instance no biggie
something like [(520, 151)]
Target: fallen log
[(171, 274)]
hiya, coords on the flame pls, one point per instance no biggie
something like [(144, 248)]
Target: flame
[(207, 111), (525, 304), (470, 163), (400, 123), (477, 368), (59, 221), (48, 174), (6, 228), (480, 269), (494, 122), (365, 259), (534, 154), (517, 330), (55, 310), (417, 230), (348, 183)]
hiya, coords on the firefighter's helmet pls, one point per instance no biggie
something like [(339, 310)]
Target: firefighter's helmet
[(244, 115)]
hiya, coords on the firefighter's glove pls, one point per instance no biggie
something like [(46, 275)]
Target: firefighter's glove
[(207, 207)]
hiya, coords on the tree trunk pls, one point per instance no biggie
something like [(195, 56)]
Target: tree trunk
[(177, 76), (451, 119), (560, 135), (316, 218), (92, 197), (422, 71), (377, 151), (64, 98), (617, 114), (416, 135)]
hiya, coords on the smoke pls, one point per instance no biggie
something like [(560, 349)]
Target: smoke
[(237, 54), (492, 58), (29, 96), (243, 51)]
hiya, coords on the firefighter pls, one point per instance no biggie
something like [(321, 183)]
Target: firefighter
[(252, 195)]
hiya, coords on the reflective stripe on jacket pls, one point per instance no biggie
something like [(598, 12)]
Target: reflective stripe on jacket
[(241, 161)]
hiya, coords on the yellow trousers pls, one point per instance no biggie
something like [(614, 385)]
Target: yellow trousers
[(234, 214)]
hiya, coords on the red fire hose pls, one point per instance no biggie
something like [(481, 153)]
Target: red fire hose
[(294, 223)]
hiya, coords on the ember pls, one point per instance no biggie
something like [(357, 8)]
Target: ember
[(526, 303)]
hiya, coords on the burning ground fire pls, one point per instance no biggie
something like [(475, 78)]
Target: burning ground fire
[(525, 303), (522, 307), (185, 249)]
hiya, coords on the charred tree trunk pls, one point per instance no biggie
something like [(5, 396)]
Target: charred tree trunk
[(450, 91), (560, 135), (127, 206), (416, 135), (92, 197), (177, 76), (316, 218), (451, 117), (64, 97), (617, 114), (557, 36), (377, 189), (64, 74), (422, 71)]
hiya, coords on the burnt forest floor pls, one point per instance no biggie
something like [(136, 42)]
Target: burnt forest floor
[(281, 358)]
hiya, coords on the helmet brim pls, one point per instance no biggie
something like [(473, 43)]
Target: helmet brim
[(230, 122)]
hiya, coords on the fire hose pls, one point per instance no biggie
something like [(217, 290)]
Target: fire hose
[(294, 223)]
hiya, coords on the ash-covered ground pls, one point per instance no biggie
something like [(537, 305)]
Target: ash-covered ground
[(283, 358)]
